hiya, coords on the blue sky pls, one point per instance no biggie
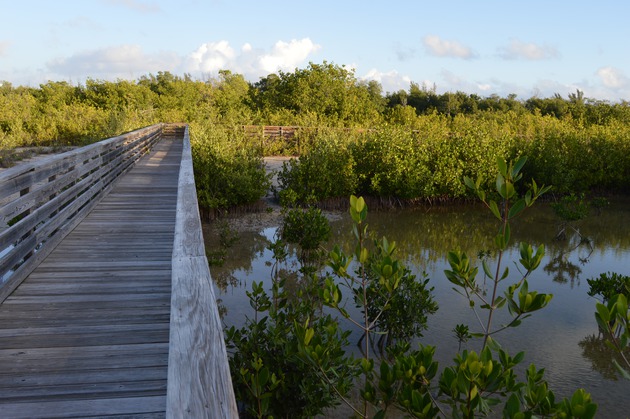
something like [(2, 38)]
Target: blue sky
[(529, 48)]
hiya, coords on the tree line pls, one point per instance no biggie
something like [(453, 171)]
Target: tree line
[(320, 95)]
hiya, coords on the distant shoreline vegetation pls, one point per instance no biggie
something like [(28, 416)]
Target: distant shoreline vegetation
[(407, 145)]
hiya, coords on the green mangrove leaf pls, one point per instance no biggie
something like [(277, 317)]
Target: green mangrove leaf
[(516, 209), (495, 209), (502, 165), (486, 269), (518, 166), (624, 373)]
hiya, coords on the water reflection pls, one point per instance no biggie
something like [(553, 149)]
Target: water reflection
[(563, 338), (595, 349)]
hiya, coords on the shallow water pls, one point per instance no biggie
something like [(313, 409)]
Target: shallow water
[(562, 338)]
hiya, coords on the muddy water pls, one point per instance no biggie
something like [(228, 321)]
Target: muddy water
[(563, 338)]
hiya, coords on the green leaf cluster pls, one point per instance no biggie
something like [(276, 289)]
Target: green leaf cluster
[(228, 171), (271, 356), (608, 285), (613, 319)]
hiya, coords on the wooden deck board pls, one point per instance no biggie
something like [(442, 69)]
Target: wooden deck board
[(154, 406), (87, 333)]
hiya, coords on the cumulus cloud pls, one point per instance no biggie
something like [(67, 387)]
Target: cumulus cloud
[(212, 56), (527, 51), (123, 61), (443, 48), (391, 81), (131, 61), (453, 82), (286, 55), (612, 77), (249, 61), (137, 5)]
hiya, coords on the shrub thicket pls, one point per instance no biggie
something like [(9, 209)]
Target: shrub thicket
[(228, 170), (406, 145), (394, 162)]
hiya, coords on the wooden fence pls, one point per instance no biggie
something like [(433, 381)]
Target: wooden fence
[(284, 139), (41, 202)]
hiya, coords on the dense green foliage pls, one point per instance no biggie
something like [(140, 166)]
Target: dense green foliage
[(404, 145), (228, 169), (269, 375), (428, 164), (613, 316), (608, 285)]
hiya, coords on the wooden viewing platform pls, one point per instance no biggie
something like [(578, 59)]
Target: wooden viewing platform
[(108, 303)]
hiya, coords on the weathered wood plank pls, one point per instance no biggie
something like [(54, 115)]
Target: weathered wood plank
[(154, 408), (199, 382), (91, 380)]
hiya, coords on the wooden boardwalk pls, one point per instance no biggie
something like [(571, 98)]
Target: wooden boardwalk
[(87, 333)]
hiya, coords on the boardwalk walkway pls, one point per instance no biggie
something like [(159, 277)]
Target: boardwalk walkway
[(87, 333)]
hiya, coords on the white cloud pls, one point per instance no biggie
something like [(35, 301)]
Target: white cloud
[(612, 77), (443, 48), (211, 57), (251, 62), (391, 81), (125, 61), (287, 55), (137, 5), (130, 61), (527, 51)]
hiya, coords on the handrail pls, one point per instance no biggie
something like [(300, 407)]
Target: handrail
[(199, 382), (41, 202)]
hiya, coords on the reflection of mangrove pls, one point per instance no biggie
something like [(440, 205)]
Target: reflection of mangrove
[(425, 236), (221, 308), (563, 270), (560, 265), (239, 257), (572, 211), (224, 279), (601, 355)]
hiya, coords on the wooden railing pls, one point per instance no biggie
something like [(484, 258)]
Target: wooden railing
[(40, 203), (199, 382)]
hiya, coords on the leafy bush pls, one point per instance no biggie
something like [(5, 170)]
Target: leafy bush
[(428, 163), (325, 171), (307, 229), (270, 379), (608, 285), (228, 171)]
